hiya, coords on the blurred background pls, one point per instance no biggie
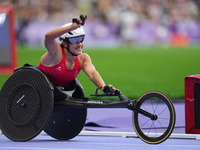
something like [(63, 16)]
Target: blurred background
[(111, 22), (136, 45)]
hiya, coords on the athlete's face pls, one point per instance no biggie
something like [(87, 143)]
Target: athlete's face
[(76, 48)]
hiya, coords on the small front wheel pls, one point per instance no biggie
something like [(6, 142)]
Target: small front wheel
[(154, 131)]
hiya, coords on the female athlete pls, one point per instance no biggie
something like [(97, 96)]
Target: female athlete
[(63, 62)]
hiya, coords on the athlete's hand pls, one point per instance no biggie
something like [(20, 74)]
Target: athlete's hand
[(109, 89), (80, 20), (76, 22)]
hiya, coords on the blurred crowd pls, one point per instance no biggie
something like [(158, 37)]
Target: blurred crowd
[(126, 15)]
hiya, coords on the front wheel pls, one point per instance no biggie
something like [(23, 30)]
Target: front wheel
[(158, 130)]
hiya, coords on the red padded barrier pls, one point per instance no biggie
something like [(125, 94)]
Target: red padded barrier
[(190, 121)]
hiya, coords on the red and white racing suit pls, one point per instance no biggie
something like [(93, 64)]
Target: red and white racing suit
[(59, 74)]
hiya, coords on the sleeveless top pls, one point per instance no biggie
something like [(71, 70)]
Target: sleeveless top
[(59, 74)]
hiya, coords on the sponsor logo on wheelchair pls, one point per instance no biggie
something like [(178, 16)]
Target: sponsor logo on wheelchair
[(95, 102)]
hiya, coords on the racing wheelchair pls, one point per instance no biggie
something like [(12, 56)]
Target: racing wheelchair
[(30, 103)]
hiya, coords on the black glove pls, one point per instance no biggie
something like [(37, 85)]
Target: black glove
[(108, 89), (83, 19), (111, 91)]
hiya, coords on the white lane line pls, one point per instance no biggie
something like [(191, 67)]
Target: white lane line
[(132, 144), (29, 148)]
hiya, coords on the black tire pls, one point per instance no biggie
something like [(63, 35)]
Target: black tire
[(159, 104), (66, 122)]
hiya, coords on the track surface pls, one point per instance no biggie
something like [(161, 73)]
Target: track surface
[(42, 142)]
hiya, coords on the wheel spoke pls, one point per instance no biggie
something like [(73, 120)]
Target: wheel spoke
[(162, 111), (150, 129), (156, 106), (155, 128), (145, 122), (160, 124), (163, 118)]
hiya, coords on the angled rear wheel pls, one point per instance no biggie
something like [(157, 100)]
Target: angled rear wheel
[(66, 122)]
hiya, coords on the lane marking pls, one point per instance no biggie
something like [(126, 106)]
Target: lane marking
[(29, 148)]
